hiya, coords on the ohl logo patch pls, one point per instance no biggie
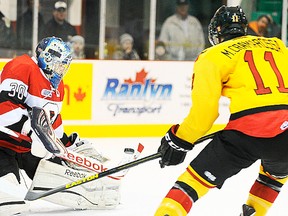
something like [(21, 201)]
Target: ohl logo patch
[(142, 88)]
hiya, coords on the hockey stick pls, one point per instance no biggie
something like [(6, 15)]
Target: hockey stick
[(79, 159), (31, 196), (204, 138)]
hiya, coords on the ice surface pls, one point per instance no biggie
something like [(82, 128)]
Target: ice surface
[(145, 185)]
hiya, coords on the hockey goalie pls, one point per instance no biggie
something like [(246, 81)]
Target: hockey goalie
[(30, 82)]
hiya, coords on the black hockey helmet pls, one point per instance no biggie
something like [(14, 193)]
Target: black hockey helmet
[(227, 23)]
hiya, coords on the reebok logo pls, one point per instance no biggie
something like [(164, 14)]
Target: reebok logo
[(85, 162), (74, 174)]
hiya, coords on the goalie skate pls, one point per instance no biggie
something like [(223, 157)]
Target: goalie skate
[(247, 210)]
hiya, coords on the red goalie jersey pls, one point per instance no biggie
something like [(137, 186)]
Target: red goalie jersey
[(24, 85)]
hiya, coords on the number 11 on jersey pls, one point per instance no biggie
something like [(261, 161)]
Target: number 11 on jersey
[(261, 89)]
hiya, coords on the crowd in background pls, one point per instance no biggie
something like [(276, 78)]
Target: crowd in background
[(181, 36)]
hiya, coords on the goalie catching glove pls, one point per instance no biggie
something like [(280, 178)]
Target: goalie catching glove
[(173, 149), (83, 147)]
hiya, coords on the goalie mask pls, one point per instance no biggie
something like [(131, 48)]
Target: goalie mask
[(227, 23), (54, 57)]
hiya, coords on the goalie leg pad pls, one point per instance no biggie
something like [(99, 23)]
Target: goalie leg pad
[(103, 193), (11, 196)]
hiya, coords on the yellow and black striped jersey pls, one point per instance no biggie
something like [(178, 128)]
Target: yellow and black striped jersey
[(252, 72)]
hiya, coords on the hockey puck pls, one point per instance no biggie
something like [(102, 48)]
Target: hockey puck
[(129, 151)]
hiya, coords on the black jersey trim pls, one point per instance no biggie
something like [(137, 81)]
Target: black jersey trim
[(257, 110)]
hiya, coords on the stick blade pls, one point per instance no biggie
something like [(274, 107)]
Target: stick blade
[(31, 196)]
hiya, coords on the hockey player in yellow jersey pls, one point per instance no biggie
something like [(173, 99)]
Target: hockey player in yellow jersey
[(252, 72)]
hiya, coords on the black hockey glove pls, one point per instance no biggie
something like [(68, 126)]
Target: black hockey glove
[(173, 149)]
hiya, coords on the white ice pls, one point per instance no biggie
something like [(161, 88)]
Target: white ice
[(145, 185)]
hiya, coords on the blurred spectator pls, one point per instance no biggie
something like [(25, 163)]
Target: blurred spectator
[(259, 27), (118, 53), (182, 34), (25, 25), (161, 52), (126, 50), (77, 46), (58, 26), (7, 39), (274, 30)]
